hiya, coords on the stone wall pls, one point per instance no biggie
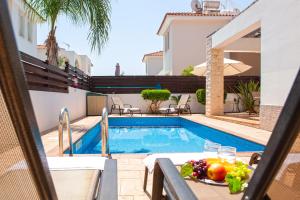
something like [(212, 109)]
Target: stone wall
[(268, 116), (214, 81)]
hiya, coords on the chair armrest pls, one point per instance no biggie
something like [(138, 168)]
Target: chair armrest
[(182, 106), (108, 188), (130, 106), (166, 174), (172, 105), (255, 158), (117, 105)]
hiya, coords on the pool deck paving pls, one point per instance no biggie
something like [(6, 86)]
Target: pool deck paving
[(130, 166)]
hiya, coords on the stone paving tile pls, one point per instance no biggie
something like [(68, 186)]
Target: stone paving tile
[(141, 197), (131, 167), (126, 198), (131, 187), (250, 133), (129, 174)]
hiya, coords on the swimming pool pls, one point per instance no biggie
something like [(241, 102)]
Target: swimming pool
[(158, 135)]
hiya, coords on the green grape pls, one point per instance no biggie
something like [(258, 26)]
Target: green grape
[(237, 176)]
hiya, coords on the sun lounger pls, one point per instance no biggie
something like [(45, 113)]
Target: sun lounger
[(123, 108), (178, 108)]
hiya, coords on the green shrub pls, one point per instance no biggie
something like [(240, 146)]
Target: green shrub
[(188, 71), (156, 97), (201, 96)]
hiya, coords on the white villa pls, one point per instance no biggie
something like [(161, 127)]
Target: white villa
[(280, 50), (153, 62), (25, 29), (184, 36), (83, 62)]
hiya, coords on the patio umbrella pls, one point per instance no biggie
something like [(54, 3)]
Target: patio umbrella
[(231, 67)]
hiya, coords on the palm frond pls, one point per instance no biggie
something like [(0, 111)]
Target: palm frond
[(32, 13), (95, 13)]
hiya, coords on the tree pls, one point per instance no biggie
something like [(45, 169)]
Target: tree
[(188, 71), (95, 13), (156, 96)]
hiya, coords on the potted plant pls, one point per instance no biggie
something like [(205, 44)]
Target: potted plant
[(245, 92), (156, 96)]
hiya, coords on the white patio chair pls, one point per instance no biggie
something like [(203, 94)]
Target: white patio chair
[(177, 108), (123, 108)]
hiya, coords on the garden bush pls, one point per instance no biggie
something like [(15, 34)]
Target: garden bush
[(156, 97), (201, 96)]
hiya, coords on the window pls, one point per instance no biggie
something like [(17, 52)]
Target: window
[(76, 63), (29, 31), (21, 24), (167, 41)]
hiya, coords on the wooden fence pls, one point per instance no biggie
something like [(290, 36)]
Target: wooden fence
[(77, 78), (44, 77), (176, 84)]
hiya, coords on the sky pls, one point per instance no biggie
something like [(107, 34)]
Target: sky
[(134, 24)]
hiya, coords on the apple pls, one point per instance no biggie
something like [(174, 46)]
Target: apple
[(216, 172)]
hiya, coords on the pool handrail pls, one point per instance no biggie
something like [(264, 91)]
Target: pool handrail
[(64, 118), (104, 132)]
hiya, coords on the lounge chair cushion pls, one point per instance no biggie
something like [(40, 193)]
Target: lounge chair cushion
[(127, 110), (183, 101), (63, 163), (75, 184), (167, 109), (176, 158)]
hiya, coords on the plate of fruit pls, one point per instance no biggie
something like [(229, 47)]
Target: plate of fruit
[(215, 171)]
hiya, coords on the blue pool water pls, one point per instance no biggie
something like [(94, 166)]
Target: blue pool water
[(158, 135)]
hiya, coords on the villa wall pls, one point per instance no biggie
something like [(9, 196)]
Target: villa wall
[(252, 59), (189, 41), (154, 64), (137, 101), (167, 54), (25, 30), (47, 106), (280, 56)]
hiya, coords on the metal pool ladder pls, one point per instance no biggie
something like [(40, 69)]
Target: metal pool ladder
[(64, 119), (104, 132)]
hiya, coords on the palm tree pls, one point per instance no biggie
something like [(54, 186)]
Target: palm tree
[(95, 13)]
